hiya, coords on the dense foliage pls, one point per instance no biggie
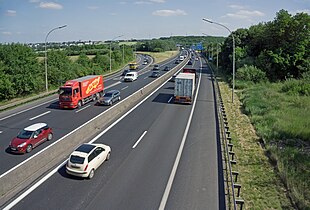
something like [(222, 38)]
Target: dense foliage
[(280, 48), (22, 73)]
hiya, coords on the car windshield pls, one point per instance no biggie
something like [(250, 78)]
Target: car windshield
[(77, 159), (25, 134), (108, 94), (65, 91), (129, 75)]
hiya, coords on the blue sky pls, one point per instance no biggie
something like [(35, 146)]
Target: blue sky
[(28, 21)]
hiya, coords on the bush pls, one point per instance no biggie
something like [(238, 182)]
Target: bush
[(296, 87), (251, 73)]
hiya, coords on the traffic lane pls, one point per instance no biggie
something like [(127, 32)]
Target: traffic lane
[(169, 119), (62, 121), (198, 183)]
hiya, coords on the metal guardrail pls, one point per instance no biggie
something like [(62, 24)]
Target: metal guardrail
[(233, 199)]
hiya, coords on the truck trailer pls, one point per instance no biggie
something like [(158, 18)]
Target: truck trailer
[(184, 88), (75, 93)]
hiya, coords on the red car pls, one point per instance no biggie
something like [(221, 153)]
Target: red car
[(31, 137)]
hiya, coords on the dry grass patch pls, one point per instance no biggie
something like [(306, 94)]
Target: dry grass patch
[(261, 187), (161, 56)]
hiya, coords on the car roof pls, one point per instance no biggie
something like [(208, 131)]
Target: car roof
[(112, 91), (35, 127), (84, 149)]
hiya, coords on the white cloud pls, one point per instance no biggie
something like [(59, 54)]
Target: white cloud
[(234, 6), (7, 33), (245, 14), (158, 1), (142, 2), (10, 13), (50, 5), (167, 12), (300, 11)]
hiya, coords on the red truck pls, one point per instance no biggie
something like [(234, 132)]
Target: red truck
[(77, 92)]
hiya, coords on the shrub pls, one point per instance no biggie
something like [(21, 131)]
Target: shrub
[(296, 87), (251, 73)]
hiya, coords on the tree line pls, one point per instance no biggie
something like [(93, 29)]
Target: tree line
[(278, 49), (22, 72)]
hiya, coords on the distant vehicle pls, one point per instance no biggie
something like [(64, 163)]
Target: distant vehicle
[(177, 61), (155, 74), (77, 92), (181, 58), (189, 62), (133, 66), (145, 62), (31, 137), (184, 88), (125, 72), (131, 76), (167, 68), (196, 58), (86, 159), (156, 67), (110, 97)]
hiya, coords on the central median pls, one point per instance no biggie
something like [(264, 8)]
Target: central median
[(28, 172)]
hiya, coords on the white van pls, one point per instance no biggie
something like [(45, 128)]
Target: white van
[(181, 58), (131, 76)]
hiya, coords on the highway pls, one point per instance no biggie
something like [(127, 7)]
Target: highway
[(62, 121), (176, 164)]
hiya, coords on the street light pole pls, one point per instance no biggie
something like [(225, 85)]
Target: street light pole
[(60, 27), (233, 89), (111, 50)]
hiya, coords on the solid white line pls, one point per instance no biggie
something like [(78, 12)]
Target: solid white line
[(85, 107), (177, 160), (40, 115), (113, 85), (124, 88), (137, 142), (170, 99), (23, 195), (28, 109)]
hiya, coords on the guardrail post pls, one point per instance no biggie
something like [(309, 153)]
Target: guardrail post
[(229, 139), (238, 186), (240, 202), (230, 147), (232, 155), (235, 173), (228, 133)]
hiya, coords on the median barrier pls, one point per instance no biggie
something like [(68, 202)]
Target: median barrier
[(41, 163)]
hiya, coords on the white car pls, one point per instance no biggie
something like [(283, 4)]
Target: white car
[(131, 76), (86, 159)]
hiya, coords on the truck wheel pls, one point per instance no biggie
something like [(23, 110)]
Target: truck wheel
[(79, 104)]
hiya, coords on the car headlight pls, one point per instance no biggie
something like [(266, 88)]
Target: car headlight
[(22, 144)]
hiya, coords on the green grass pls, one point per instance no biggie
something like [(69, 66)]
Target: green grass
[(281, 116)]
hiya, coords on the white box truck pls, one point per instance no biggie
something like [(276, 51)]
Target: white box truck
[(184, 88)]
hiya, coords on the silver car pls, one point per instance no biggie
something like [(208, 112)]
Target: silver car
[(110, 97)]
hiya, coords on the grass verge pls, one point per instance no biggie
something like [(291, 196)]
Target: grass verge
[(262, 188), (161, 56)]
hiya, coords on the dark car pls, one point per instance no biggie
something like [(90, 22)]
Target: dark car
[(167, 68), (190, 62), (110, 97), (155, 74), (176, 61), (156, 67), (125, 72), (31, 137)]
